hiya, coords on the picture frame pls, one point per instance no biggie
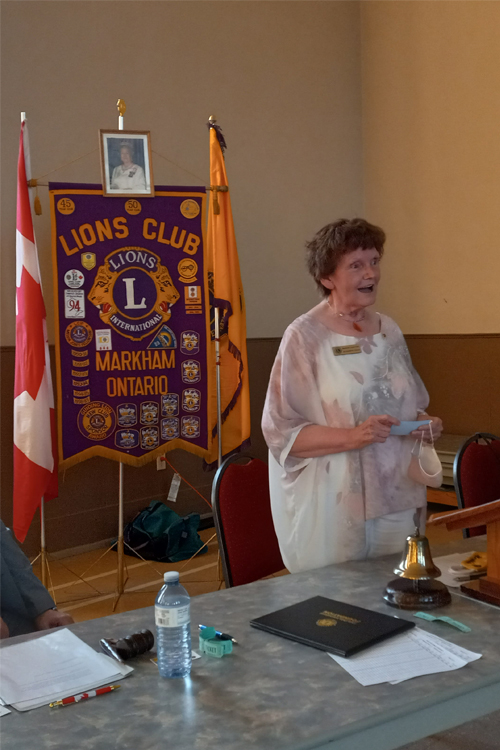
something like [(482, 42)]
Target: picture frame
[(126, 164)]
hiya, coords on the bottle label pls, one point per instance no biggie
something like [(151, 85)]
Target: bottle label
[(174, 617)]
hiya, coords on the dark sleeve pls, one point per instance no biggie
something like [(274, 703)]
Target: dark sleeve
[(21, 592)]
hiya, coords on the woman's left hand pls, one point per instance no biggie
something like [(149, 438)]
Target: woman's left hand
[(436, 426)]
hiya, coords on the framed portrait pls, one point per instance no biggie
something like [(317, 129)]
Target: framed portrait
[(126, 164)]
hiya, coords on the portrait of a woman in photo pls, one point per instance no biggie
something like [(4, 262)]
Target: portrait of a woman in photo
[(128, 176)]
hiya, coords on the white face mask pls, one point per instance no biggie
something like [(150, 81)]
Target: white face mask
[(425, 466)]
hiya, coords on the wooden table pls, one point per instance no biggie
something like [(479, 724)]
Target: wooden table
[(271, 693)]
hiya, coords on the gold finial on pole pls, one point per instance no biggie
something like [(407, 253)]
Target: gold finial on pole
[(121, 106), (212, 119)]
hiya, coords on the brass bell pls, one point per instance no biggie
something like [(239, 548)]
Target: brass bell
[(416, 588), (417, 563)]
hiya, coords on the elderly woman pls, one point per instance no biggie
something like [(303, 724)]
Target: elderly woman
[(342, 377), (127, 175)]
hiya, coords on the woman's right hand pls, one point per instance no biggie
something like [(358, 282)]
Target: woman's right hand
[(316, 440), (375, 429)]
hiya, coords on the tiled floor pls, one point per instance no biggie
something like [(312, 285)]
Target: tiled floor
[(95, 596)]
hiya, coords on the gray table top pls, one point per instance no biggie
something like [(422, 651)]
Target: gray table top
[(271, 692)]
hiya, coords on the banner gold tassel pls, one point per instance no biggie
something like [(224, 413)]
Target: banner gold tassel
[(216, 189), (37, 204)]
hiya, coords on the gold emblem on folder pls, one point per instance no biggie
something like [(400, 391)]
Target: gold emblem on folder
[(326, 623), (349, 349)]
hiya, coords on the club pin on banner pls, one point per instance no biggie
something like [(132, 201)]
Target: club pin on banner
[(134, 362)]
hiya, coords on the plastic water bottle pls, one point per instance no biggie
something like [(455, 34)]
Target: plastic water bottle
[(173, 629)]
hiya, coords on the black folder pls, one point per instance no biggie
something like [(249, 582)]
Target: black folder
[(332, 626)]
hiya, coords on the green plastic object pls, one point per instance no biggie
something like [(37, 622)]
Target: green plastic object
[(208, 633), (443, 618), (213, 646)]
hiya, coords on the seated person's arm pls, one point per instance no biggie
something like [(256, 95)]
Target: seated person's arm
[(25, 603), (4, 630), (52, 618)]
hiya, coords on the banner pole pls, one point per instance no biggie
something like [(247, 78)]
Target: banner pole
[(43, 548), (119, 543), (217, 380), (219, 419)]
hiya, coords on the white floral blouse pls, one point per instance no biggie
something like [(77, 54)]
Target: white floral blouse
[(320, 505)]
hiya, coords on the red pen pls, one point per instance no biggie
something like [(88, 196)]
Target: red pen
[(84, 696)]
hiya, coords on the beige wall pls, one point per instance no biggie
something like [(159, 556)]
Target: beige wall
[(431, 133), (290, 83), (282, 77)]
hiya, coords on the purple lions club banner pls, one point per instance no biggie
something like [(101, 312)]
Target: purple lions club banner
[(134, 367)]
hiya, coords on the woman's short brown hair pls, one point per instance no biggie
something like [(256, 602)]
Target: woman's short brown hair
[(344, 236)]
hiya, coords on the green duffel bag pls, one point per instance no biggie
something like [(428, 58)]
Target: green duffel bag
[(158, 533)]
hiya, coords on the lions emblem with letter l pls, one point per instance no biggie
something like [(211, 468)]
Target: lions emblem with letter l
[(169, 428), (149, 412), (79, 334), (170, 405), (149, 438), (191, 399), (133, 292), (190, 427), (190, 342), (191, 371), (96, 421)]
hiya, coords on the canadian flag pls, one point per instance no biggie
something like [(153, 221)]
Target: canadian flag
[(35, 451)]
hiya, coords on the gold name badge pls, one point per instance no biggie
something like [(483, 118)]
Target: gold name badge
[(350, 349)]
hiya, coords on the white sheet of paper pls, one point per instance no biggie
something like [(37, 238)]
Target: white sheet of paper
[(462, 653), (4, 711), (50, 665), (451, 648), (122, 671), (405, 656)]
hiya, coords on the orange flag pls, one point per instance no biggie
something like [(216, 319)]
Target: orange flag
[(228, 296)]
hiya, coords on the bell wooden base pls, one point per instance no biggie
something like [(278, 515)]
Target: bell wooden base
[(482, 591), (404, 593)]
